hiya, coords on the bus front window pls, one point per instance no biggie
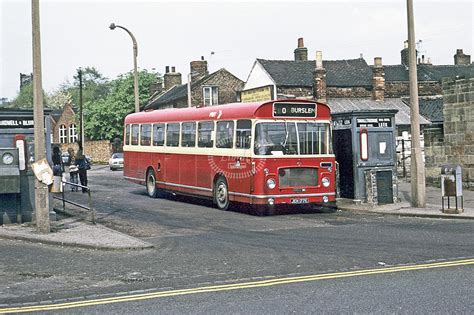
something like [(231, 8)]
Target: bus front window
[(275, 138), (290, 138), (313, 138)]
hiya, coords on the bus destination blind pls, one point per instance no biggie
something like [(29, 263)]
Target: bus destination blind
[(294, 110)]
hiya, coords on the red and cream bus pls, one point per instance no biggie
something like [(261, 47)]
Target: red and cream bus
[(262, 154)]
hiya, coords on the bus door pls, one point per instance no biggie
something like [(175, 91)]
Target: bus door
[(241, 166)]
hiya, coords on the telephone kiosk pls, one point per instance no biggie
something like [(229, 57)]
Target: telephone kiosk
[(17, 180), (364, 145)]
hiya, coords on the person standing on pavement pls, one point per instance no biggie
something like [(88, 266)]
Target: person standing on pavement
[(82, 165), (57, 163), (73, 169)]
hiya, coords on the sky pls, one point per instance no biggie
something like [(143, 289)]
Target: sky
[(229, 34)]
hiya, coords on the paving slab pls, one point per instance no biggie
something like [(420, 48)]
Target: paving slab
[(433, 207), (75, 233)]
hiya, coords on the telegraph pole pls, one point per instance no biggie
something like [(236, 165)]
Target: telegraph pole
[(418, 189), (81, 113), (41, 189)]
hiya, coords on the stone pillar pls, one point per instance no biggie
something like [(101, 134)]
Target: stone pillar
[(156, 88), (301, 52), (458, 112), (404, 54), (461, 59), (198, 69), (378, 80), (171, 78), (319, 79)]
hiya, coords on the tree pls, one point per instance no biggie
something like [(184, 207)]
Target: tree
[(24, 99), (104, 117), (94, 86), (59, 98)]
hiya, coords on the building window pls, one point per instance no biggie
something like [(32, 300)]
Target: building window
[(72, 133), (62, 134), (210, 95)]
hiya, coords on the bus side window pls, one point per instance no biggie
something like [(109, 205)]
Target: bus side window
[(145, 134), (244, 134), (127, 135), (188, 134), (225, 134), (205, 130), (159, 134), (172, 135), (135, 129)]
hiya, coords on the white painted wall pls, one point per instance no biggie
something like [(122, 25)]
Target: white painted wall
[(258, 77)]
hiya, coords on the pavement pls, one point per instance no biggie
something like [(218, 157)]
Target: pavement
[(433, 207), (77, 232)]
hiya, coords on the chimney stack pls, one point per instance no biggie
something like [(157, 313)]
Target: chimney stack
[(156, 88), (404, 54), (198, 69), (378, 80), (319, 79), (171, 78), (461, 59), (301, 52)]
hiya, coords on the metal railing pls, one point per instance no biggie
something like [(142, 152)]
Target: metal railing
[(64, 200)]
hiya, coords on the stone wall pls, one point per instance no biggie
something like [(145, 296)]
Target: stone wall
[(349, 92), (402, 88), (294, 92), (458, 135), (99, 150)]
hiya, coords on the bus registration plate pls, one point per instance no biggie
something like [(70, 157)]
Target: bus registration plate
[(299, 200)]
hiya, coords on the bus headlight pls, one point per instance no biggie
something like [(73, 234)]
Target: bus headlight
[(271, 183), (326, 182)]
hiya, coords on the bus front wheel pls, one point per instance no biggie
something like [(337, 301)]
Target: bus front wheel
[(150, 184), (221, 194)]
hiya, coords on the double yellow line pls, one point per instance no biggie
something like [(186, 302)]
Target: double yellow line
[(236, 286)]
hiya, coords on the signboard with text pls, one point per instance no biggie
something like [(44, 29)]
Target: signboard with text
[(16, 122), (303, 110), (259, 94), (374, 122)]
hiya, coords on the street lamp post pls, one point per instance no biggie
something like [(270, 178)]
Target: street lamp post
[(135, 55)]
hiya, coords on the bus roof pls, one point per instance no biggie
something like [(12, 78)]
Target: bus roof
[(221, 112)]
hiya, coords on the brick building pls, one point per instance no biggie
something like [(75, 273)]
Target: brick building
[(353, 84), (65, 134), (65, 126), (349, 78), (219, 87)]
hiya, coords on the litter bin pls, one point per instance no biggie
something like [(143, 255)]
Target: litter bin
[(451, 186)]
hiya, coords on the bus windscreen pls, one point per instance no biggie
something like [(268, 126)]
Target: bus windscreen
[(290, 138)]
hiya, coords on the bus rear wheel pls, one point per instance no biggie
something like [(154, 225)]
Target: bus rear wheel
[(221, 194), (150, 184)]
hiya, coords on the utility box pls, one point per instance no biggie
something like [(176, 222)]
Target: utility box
[(364, 145), (17, 180), (451, 186), (9, 171)]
